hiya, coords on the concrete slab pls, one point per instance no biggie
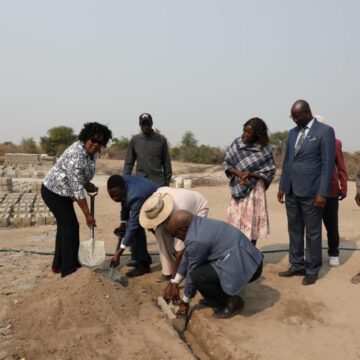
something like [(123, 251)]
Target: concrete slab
[(169, 310)]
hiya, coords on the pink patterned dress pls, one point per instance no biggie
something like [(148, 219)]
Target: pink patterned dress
[(251, 215)]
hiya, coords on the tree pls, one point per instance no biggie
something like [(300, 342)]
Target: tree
[(188, 139), (121, 143), (8, 147), (279, 139), (57, 140), (28, 145)]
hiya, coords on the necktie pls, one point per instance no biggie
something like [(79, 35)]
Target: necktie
[(301, 139)]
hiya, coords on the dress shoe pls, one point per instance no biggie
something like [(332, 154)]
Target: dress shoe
[(334, 261), (132, 263), (163, 278), (140, 269), (234, 305), (210, 303), (309, 279), (289, 273)]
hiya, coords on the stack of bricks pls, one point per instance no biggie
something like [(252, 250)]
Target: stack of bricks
[(6, 185), (6, 208), (21, 159), (22, 214), (23, 210), (36, 188), (42, 214), (5, 211)]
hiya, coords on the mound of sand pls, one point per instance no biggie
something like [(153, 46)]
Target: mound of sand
[(85, 316)]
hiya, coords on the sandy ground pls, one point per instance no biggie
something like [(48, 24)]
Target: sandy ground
[(85, 316)]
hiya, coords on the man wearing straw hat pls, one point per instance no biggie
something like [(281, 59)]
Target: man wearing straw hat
[(154, 213)]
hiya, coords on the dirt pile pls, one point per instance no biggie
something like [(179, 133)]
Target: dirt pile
[(85, 316)]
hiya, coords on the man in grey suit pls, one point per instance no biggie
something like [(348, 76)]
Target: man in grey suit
[(306, 175), (219, 260)]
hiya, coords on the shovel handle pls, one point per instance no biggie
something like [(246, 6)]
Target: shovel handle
[(117, 247), (118, 243), (92, 212)]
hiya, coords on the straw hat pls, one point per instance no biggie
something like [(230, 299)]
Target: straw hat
[(155, 210)]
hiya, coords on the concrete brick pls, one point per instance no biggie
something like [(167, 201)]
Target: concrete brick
[(16, 220), (40, 209), (40, 219), (6, 207), (4, 220), (22, 211), (5, 210), (5, 181), (25, 220), (49, 219)]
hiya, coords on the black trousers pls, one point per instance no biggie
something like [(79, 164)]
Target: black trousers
[(207, 282), (67, 232), (331, 222)]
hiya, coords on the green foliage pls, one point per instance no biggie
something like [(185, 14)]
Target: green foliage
[(121, 143), (189, 140), (189, 151), (8, 147), (117, 149), (29, 146), (278, 139), (57, 140)]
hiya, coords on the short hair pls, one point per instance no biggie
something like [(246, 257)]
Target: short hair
[(304, 104), (260, 130), (91, 129), (115, 181)]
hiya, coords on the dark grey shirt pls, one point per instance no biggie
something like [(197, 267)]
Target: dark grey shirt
[(152, 158)]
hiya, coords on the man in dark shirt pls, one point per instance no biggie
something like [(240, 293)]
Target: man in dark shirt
[(150, 151), (337, 191)]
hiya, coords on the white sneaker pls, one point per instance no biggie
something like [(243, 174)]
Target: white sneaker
[(334, 261)]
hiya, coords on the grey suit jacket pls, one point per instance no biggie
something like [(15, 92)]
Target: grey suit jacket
[(232, 255), (309, 172)]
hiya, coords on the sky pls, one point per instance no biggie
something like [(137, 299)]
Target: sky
[(202, 65)]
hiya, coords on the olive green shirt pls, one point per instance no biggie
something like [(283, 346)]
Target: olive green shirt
[(152, 158)]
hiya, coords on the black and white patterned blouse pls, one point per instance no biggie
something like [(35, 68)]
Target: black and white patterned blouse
[(71, 172)]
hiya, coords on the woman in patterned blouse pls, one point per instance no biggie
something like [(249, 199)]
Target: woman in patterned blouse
[(65, 183)]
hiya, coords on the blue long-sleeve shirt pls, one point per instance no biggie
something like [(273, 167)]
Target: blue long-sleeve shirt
[(137, 191)]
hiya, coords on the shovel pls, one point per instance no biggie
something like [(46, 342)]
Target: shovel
[(111, 273), (91, 252)]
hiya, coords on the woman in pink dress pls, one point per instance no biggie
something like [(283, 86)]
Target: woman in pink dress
[(250, 167)]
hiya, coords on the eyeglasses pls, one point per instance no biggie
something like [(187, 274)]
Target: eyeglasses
[(291, 116), (98, 142)]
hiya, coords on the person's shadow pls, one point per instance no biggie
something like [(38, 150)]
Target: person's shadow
[(257, 298), (275, 253)]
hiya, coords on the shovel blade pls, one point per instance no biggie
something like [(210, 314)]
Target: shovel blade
[(91, 253)]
